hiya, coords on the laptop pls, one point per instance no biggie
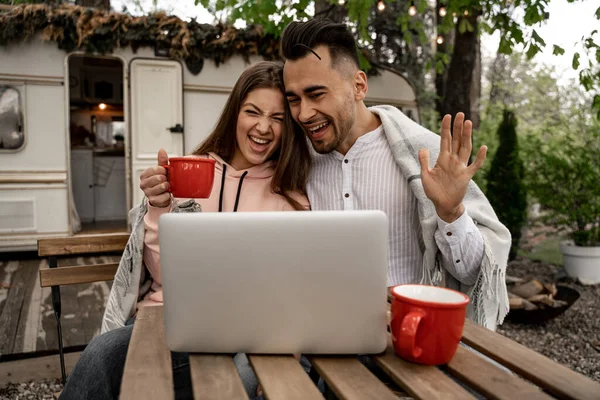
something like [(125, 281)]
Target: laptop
[(275, 282)]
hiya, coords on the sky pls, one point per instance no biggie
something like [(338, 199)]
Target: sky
[(565, 27)]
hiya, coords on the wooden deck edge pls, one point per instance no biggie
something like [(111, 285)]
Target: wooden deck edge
[(35, 368)]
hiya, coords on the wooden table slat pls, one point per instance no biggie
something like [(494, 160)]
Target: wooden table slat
[(420, 381), (490, 380), (215, 377), (349, 379), (282, 377), (148, 369), (557, 379)]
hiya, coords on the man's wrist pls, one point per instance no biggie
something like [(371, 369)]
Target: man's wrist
[(449, 216)]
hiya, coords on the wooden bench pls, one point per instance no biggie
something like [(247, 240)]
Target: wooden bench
[(54, 276)]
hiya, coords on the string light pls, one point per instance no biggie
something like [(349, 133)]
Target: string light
[(443, 11), (381, 5), (412, 11), (440, 40), (341, 2)]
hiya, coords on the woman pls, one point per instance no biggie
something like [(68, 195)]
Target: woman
[(261, 161), (262, 164)]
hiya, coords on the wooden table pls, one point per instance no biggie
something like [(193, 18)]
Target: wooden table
[(148, 372)]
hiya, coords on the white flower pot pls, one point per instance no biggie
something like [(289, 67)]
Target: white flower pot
[(582, 263)]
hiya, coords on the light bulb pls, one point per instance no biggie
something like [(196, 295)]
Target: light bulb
[(443, 11), (439, 40), (341, 2), (466, 12), (412, 11), (102, 106), (381, 5)]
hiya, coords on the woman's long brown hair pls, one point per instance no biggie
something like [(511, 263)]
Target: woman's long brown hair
[(292, 158)]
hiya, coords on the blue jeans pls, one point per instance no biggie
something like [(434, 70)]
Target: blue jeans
[(99, 370)]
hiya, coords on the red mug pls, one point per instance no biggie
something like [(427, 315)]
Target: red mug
[(190, 177), (427, 323)]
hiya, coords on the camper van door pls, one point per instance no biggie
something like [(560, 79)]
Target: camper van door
[(156, 115)]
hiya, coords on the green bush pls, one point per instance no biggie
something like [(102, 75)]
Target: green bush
[(564, 177), (505, 182)]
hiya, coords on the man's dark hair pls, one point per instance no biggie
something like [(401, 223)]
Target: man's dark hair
[(300, 38)]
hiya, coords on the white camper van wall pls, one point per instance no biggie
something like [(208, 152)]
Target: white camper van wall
[(12, 136)]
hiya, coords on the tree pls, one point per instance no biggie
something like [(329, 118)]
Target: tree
[(463, 20), (506, 188)]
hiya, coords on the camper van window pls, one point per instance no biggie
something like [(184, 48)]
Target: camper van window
[(12, 135)]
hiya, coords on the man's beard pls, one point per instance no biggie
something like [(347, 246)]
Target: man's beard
[(326, 148), (340, 133)]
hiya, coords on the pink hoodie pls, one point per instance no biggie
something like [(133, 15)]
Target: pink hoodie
[(255, 194)]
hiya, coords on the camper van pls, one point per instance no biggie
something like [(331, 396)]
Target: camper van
[(76, 131)]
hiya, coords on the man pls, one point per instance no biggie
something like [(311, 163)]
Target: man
[(443, 230)]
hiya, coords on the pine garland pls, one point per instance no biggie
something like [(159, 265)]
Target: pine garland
[(101, 32)]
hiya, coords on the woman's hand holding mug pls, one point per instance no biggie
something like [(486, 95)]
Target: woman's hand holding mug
[(154, 183), (180, 177)]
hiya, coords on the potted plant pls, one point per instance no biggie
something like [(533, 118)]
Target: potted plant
[(564, 178)]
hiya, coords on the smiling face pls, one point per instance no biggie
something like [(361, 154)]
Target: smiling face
[(322, 99), (259, 128)]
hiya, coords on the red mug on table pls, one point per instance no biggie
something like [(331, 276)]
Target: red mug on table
[(190, 177), (427, 323)]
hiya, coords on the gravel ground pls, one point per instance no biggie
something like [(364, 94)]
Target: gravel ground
[(43, 390), (573, 338)]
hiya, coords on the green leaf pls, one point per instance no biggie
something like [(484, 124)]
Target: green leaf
[(598, 13), (558, 51), (532, 51), (576, 61), (537, 38), (505, 46), (596, 102), (517, 34)]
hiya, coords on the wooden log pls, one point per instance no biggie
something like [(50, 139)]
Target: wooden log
[(551, 288), (528, 289), (517, 303), (542, 299), (514, 279), (559, 303)]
